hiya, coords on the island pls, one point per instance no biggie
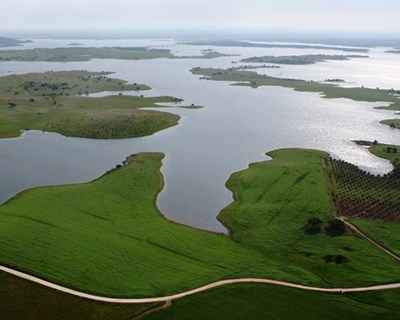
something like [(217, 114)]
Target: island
[(10, 42), (77, 53), (300, 60), (247, 44), (61, 102)]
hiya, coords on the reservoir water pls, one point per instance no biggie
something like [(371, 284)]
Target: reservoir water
[(236, 127)]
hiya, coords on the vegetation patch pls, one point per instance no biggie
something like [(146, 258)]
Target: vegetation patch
[(59, 102), (333, 227), (338, 259)]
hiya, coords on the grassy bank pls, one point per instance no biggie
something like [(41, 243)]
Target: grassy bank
[(107, 236), (24, 300), (252, 301), (58, 102)]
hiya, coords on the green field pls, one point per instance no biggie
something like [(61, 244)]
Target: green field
[(385, 233), (23, 300), (252, 301), (107, 236), (58, 102), (300, 60)]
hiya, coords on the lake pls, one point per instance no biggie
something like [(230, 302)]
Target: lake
[(236, 127)]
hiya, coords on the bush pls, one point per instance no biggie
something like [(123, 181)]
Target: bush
[(335, 227), (313, 226)]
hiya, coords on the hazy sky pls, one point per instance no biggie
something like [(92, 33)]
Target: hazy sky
[(355, 15)]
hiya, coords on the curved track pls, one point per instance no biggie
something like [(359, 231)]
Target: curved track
[(194, 291)]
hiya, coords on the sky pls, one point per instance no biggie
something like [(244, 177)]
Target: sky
[(317, 15)]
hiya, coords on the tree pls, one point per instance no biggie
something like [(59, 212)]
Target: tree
[(313, 226), (335, 227)]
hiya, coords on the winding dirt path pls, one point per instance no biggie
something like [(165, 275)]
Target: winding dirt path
[(375, 243), (210, 286)]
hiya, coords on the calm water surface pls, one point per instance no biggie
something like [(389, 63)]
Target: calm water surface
[(236, 127)]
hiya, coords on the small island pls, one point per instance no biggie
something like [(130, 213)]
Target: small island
[(10, 42)]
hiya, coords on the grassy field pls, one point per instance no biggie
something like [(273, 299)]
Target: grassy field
[(385, 233), (252, 79), (300, 60), (24, 300), (251, 301), (107, 237), (58, 102)]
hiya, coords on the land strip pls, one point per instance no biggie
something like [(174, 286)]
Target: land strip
[(230, 43), (88, 53), (300, 60)]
